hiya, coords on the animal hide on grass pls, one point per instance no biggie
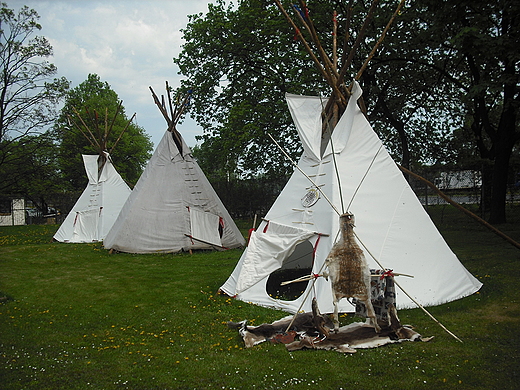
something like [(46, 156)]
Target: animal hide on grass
[(304, 325), (313, 331)]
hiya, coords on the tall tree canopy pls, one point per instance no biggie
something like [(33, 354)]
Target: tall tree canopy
[(239, 64), (445, 79), (244, 77), (460, 78), (93, 103), (482, 50), (28, 97)]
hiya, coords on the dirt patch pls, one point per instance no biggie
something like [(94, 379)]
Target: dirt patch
[(504, 312)]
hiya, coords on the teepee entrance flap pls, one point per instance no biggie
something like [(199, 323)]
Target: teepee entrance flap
[(86, 224), (205, 227), (276, 239)]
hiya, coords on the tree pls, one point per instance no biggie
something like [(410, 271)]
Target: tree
[(244, 78), (28, 95), (414, 112), (480, 49), (444, 72), (37, 173), (238, 64), (93, 101), (447, 80)]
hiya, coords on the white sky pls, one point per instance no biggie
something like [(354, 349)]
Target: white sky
[(128, 43)]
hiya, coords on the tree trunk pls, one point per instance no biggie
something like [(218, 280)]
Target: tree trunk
[(399, 126), (487, 185), (499, 187), (506, 139), (404, 142)]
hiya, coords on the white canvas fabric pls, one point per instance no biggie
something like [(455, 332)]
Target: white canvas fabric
[(85, 225), (277, 240), (98, 206), (391, 224), (205, 227), (156, 216), (306, 111)]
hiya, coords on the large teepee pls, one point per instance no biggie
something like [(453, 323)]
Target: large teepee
[(344, 167), (299, 230), (98, 206), (173, 207)]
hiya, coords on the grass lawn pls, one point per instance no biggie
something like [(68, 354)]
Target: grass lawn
[(73, 316)]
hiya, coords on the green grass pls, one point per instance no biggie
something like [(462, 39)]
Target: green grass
[(73, 316)]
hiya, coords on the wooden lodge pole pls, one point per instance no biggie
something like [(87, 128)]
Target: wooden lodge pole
[(460, 207)]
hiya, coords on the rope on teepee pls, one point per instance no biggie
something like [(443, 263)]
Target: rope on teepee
[(404, 291), (307, 176)]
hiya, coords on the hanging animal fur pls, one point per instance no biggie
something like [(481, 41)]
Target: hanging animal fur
[(349, 271)]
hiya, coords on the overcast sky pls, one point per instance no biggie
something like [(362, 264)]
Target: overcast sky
[(128, 43)]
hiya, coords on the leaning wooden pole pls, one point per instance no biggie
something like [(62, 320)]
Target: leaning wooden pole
[(92, 137), (408, 295), (380, 40), (460, 207), (118, 109), (120, 135)]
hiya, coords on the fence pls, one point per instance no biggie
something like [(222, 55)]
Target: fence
[(463, 187), (245, 198), (13, 212)]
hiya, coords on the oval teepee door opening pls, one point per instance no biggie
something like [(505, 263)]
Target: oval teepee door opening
[(298, 264)]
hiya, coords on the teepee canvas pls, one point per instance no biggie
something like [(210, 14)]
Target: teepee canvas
[(98, 206), (355, 173), (173, 207)]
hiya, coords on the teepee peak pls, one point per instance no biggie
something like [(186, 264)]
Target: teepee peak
[(98, 135), (335, 68), (173, 113)]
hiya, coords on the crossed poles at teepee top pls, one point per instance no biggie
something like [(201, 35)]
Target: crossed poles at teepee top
[(328, 67), (175, 114), (99, 142)]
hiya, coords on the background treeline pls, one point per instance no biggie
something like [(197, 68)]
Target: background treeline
[(442, 92)]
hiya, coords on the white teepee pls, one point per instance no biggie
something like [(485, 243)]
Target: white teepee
[(357, 174), (173, 207), (98, 206)]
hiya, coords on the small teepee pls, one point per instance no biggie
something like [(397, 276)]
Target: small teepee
[(173, 207), (98, 206), (344, 168)]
